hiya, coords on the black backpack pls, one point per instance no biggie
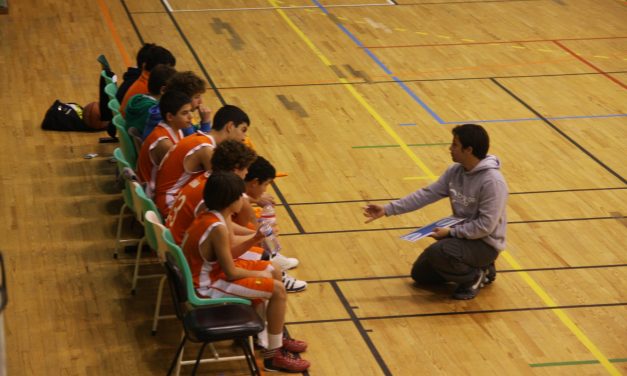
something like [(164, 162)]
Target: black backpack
[(64, 117)]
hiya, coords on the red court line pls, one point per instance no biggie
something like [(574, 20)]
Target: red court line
[(114, 33), (495, 42), (589, 64)]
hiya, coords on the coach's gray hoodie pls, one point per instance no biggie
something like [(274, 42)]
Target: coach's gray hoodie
[(479, 195)]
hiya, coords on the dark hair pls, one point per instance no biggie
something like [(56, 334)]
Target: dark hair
[(187, 82), (142, 54), (231, 154), (222, 189), (475, 136), (158, 55), (261, 169), (172, 101), (229, 113), (158, 78)]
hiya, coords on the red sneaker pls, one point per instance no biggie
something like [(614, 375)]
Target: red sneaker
[(294, 345), (285, 361)]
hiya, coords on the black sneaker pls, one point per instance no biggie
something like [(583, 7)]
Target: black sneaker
[(490, 275), (468, 291)]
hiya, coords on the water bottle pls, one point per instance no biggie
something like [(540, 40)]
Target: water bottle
[(267, 219), (270, 242), (268, 215)]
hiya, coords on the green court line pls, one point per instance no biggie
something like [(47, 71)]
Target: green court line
[(575, 363), (396, 146)]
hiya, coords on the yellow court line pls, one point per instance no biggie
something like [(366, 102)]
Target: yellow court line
[(356, 94), (562, 315), (534, 286)]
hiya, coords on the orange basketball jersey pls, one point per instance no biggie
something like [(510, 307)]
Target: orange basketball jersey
[(185, 206), (209, 279), (171, 175), (146, 166)]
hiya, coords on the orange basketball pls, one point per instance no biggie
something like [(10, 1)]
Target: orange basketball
[(91, 116)]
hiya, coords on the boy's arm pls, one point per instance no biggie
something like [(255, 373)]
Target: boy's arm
[(219, 242), (242, 243), (159, 151)]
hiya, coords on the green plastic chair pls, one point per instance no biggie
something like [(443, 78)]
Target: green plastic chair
[(108, 81), (157, 231), (143, 205), (114, 106), (176, 254), (126, 144), (122, 163), (111, 88)]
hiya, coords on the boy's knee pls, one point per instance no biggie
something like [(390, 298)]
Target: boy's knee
[(279, 290)]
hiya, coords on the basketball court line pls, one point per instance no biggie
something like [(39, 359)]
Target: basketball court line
[(560, 268), (334, 83), (462, 313), (363, 200), (580, 58), (559, 131), (417, 226), (106, 15), (171, 9)]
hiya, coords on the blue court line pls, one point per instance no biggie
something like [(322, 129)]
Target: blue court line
[(423, 104)]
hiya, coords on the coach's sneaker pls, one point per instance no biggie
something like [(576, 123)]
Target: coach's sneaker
[(490, 275), (292, 284), (286, 263), (467, 291), (284, 361)]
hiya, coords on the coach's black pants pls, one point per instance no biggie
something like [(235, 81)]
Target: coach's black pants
[(452, 260)]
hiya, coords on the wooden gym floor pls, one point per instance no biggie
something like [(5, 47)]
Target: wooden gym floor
[(355, 100)]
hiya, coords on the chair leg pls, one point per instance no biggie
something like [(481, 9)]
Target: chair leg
[(137, 258), (155, 320), (202, 349), (119, 231), (250, 357), (176, 361)]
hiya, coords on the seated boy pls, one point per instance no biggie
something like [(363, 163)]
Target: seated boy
[(192, 85), (178, 115), (138, 106), (216, 274), (192, 155)]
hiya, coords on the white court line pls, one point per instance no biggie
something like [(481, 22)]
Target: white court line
[(387, 4), (167, 5)]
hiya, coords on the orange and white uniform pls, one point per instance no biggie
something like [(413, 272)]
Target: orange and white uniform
[(172, 175), (146, 166), (209, 279), (185, 207)]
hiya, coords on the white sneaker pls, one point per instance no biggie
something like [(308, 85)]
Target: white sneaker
[(292, 284), (286, 263)]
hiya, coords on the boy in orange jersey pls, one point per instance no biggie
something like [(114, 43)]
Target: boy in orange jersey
[(177, 108), (215, 273), (192, 155)]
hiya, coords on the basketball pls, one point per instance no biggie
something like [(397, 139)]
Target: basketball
[(91, 116)]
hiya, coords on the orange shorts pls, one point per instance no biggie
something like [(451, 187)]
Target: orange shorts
[(248, 288)]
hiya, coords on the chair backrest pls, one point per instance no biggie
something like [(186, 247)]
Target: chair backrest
[(177, 253), (108, 81), (114, 106), (157, 231), (111, 88), (122, 164), (126, 144), (136, 137)]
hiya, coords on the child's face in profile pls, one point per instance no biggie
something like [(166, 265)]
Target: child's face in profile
[(182, 118), (196, 101)]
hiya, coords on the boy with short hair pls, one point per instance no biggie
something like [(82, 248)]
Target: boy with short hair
[(216, 274), (189, 83), (177, 108), (192, 155)]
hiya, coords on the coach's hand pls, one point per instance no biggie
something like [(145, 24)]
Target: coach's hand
[(373, 212)]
